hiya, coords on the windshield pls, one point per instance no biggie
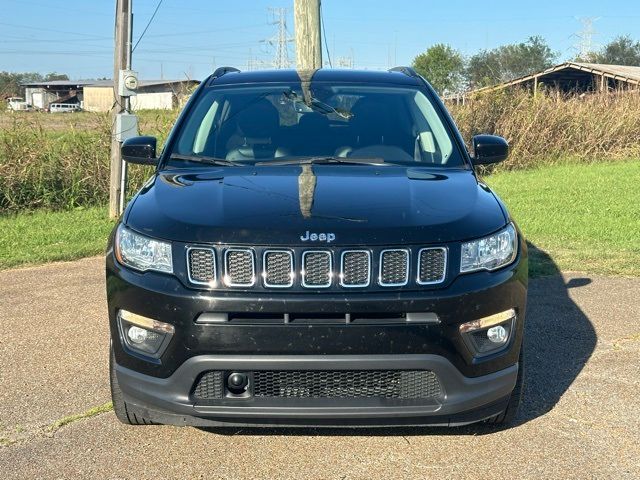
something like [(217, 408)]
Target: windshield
[(278, 123)]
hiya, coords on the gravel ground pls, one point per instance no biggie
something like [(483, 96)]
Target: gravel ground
[(579, 418)]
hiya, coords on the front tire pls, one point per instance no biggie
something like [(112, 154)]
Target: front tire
[(125, 412)]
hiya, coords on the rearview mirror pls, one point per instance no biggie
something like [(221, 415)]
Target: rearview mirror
[(488, 149), (140, 150)]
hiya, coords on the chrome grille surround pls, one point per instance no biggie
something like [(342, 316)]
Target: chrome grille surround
[(277, 268), (394, 271), (317, 264), (236, 273), (432, 265), (349, 269), (336, 268), (201, 265)]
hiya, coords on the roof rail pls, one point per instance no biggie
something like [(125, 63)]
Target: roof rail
[(220, 71), (408, 71)]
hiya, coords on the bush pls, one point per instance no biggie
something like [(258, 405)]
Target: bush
[(62, 161), (552, 127)]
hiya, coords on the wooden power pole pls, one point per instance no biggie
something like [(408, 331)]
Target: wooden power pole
[(121, 61), (308, 40)]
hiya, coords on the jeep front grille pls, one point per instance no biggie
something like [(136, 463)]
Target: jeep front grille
[(431, 265), (342, 384), (355, 269), (278, 268), (201, 265), (240, 270), (394, 268), (331, 268), (316, 269)]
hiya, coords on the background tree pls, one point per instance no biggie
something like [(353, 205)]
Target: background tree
[(620, 51), (50, 77), (10, 81), (442, 66), (507, 62)]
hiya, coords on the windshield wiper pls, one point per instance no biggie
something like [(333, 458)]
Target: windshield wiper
[(208, 160), (379, 162)]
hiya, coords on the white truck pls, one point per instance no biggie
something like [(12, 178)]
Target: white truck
[(18, 104)]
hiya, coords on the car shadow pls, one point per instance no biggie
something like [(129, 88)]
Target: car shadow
[(559, 340)]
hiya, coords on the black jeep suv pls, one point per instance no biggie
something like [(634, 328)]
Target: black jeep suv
[(315, 248)]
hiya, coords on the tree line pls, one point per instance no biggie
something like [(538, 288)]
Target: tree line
[(449, 71), (10, 81)]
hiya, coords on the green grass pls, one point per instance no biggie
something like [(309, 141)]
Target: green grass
[(585, 217), (43, 236), (92, 412), (578, 217)]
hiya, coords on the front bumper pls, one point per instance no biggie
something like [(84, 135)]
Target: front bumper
[(473, 388), (463, 400)]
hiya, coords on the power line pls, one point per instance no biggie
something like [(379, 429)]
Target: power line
[(148, 24), (42, 29), (208, 31), (324, 34), (48, 5)]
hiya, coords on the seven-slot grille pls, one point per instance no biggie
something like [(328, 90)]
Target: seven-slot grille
[(431, 265), (279, 268), (316, 269), (270, 384), (355, 268), (394, 268)]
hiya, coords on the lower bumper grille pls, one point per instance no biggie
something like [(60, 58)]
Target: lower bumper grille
[(346, 384), (390, 384), (210, 385)]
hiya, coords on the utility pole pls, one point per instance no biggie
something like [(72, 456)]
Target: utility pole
[(121, 61), (306, 15)]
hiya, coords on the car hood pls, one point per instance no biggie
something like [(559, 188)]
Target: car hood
[(282, 205)]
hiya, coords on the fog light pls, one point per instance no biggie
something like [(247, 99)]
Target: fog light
[(497, 334), (489, 334), (144, 335), (137, 334)]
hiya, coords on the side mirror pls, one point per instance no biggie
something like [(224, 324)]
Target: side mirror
[(488, 149), (140, 150)]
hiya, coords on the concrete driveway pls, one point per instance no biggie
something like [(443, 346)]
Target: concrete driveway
[(579, 419)]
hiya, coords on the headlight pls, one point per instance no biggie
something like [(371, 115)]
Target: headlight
[(142, 253), (490, 253)]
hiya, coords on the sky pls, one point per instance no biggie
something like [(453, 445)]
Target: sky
[(189, 38)]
